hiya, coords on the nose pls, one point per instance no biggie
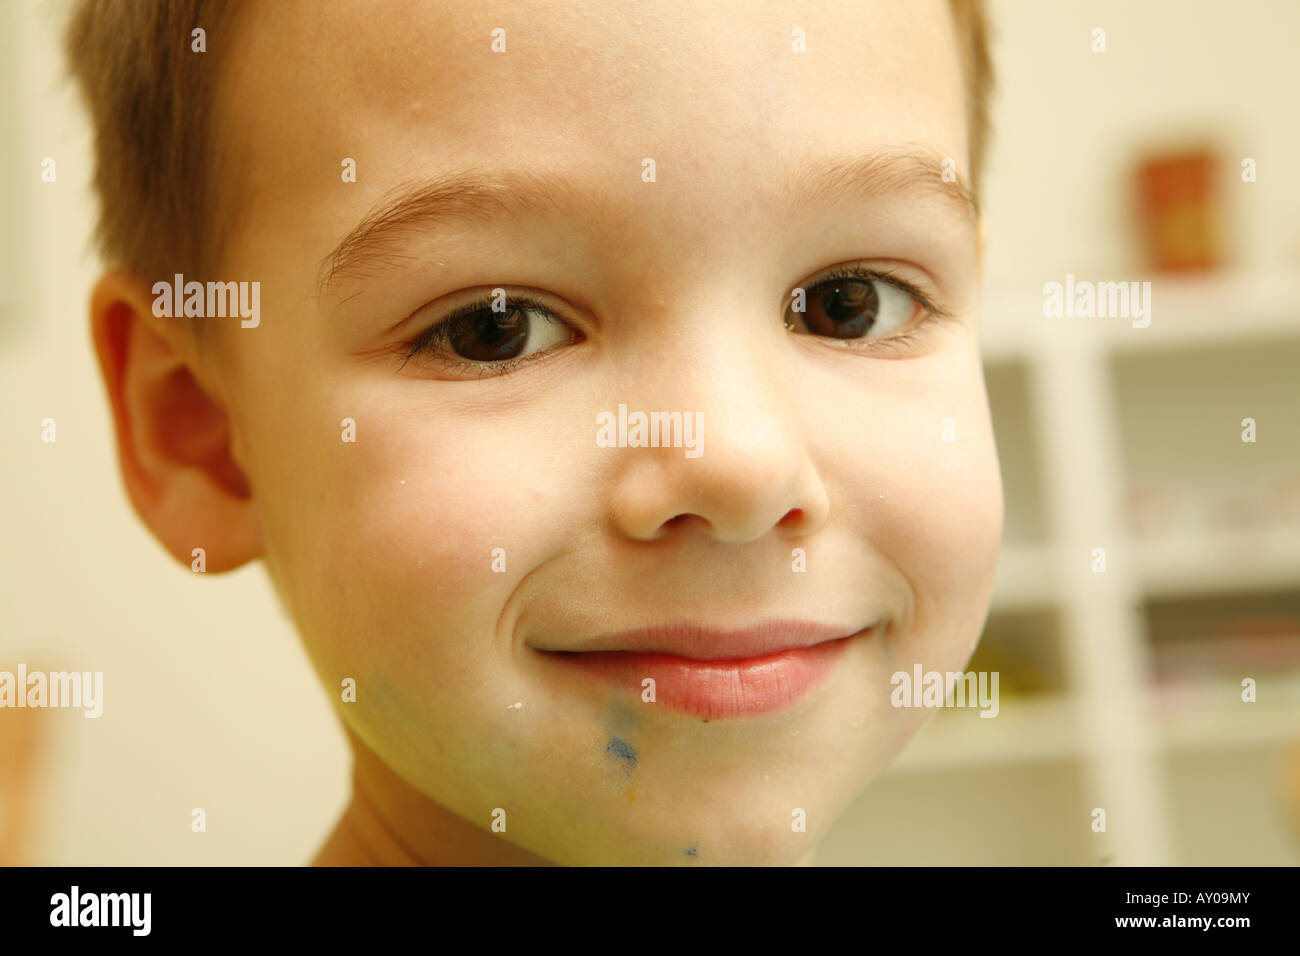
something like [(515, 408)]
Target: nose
[(754, 474)]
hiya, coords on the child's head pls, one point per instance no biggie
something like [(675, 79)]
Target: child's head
[(762, 221)]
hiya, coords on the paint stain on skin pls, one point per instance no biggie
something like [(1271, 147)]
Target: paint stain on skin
[(396, 708), (622, 752), (692, 851), (621, 725)]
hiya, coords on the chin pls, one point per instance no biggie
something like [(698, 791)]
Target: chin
[(722, 834)]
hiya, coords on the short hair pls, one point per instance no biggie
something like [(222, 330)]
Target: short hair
[(151, 104), (150, 101)]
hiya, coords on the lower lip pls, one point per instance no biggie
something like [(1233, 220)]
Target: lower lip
[(713, 690)]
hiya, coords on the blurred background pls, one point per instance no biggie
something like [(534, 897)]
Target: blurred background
[(1121, 690)]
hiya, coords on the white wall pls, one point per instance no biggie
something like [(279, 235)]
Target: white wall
[(1069, 122)]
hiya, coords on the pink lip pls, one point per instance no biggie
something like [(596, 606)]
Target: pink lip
[(712, 674)]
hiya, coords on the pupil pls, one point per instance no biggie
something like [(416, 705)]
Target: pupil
[(847, 311), (844, 303), (491, 336)]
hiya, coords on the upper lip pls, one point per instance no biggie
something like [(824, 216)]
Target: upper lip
[(684, 639)]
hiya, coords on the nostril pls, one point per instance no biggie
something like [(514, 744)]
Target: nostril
[(678, 524)]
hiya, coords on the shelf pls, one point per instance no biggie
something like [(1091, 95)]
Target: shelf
[(1187, 716), (1186, 312), (1201, 562), (1016, 430), (1026, 730), (1195, 563), (1190, 313), (1204, 715)]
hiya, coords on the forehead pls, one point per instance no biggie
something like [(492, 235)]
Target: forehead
[(718, 94)]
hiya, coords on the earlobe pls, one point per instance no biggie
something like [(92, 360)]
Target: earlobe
[(173, 437)]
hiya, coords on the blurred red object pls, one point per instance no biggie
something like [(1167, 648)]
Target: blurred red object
[(1178, 206)]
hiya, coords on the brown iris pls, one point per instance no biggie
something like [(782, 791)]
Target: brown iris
[(846, 309), (487, 336)]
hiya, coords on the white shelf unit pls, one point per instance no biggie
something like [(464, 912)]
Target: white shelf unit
[(1067, 441)]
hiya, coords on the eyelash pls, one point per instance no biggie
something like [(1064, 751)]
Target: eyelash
[(438, 333)]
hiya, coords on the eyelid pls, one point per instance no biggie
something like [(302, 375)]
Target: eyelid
[(520, 300), (866, 273)]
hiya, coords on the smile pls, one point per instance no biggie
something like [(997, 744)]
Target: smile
[(711, 675)]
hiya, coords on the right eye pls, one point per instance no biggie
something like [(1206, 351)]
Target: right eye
[(482, 339)]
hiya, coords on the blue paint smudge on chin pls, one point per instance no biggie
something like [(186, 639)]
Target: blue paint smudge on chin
[(622, 751)]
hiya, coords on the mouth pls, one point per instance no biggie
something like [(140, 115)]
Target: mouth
[(710, 674)]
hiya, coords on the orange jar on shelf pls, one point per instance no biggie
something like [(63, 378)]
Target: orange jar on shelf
[(1178, 208)]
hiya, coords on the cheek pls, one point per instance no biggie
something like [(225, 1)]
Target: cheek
[(442, 518), (928, 497), (947, 523), (405, 530)]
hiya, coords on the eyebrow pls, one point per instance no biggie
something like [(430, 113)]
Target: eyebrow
[(476, 195)]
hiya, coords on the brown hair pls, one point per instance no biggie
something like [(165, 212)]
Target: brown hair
[(150, 100)]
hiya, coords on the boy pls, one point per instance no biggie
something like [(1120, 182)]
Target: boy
[(600, 386)]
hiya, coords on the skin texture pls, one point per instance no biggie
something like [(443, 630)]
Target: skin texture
[(382, 548)]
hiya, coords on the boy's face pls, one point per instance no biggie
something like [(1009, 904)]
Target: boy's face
[(839, 478)]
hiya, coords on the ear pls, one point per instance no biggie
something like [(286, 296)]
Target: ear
[(173, 437)]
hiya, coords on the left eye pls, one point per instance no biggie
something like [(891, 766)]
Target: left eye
[(854, 307)]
